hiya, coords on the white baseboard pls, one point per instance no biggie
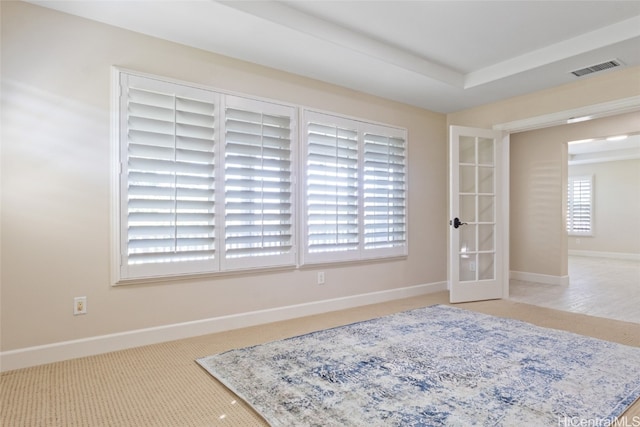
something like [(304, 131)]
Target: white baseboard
[(65, 350), (539, 278), (599, 254)]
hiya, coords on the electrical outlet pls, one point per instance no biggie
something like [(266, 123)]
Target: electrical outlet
[(79, 305), (321, 278), (472, 266)]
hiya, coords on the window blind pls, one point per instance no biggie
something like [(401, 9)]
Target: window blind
[(332, 188), (205, 182), (580, 205), (168, 170), (355, 190), (384, 191), (258, 183)]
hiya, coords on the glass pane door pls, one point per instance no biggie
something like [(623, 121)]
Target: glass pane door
[(477, 199)]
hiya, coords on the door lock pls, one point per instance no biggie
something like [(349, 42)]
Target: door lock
[(457, 223)]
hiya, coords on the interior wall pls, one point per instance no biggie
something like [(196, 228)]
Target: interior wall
[(56, 176), (549, 256), (616, 228), (536, 235)]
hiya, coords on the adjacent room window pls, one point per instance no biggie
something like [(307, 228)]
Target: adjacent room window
[(207, 182), (355, 190), (580, 206)]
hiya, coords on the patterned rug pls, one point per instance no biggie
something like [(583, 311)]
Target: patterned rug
[(433, 366)]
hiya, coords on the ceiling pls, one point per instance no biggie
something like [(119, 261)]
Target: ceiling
[(444, 56), (614, 147)]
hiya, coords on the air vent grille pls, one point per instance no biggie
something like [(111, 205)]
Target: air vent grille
[(595, 68)]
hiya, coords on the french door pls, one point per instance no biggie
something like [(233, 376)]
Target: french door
[(477, 250)]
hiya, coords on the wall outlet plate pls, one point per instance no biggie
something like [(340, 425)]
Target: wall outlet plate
[(79, 306)]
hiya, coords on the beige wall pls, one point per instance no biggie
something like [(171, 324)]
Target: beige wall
[(616, 217), (56, 184), (536, 235)]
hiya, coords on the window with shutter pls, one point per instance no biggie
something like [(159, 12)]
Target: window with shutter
[(331, 188), (384, 191), (205, 182), (580, 205), (167, 178), (355, 205), (258, 184)]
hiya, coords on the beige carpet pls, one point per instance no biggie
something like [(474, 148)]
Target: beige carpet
[(161, 385)]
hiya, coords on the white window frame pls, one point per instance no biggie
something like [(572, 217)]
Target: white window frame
[(125, 272), (359, 253), (586, 184)]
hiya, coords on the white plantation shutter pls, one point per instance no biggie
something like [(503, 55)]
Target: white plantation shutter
[(331, 187), (258, 184), (384, 191), (167, 180), (580, 205), (206, 182), (355, 195)]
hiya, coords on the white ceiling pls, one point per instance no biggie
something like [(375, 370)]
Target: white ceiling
[(440, 55), (605, 149), (597, 145)]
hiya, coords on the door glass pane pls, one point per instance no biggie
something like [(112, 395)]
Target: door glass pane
[(467, 238), (467, 209), (485, 180), (476, 242), (467, 179), (467, 267), (485, 237), (485, 151), (486, 266), (485, 208), (467, 149)]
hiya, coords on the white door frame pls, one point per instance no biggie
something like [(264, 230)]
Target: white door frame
[(595, 111)]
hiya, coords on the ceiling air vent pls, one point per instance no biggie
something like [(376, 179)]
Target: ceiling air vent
[(595, 68)]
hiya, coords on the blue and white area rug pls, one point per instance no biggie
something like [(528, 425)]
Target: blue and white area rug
[(433, 366)]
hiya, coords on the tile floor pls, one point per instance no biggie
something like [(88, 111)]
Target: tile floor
[(600, 287)]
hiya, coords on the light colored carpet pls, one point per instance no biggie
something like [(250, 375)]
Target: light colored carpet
[(161, 385)]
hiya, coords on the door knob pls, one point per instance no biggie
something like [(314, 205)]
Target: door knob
[(457, 223)]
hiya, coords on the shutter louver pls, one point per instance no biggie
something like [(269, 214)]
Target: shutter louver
[(258, 184), (384, 192), (580, 205), (170, 176), (332, 188)]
